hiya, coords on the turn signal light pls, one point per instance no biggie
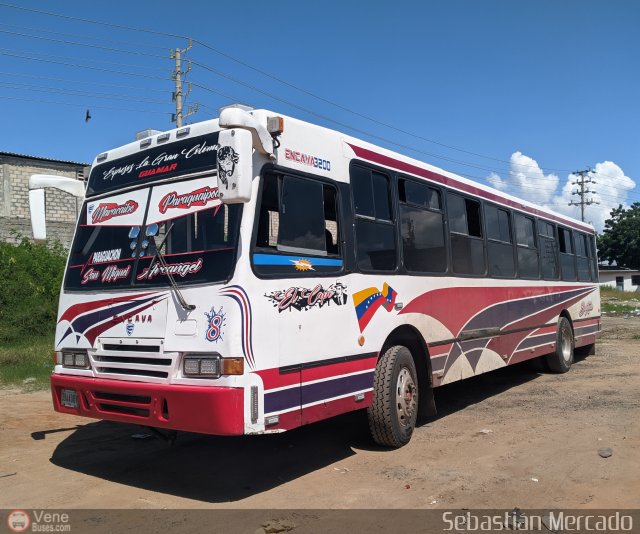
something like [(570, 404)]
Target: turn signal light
[(232, 366)]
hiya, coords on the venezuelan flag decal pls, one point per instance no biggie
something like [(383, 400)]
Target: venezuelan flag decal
[(369, 300)]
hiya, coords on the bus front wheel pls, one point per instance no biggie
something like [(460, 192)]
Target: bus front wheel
[(561, 359), (394, 410)]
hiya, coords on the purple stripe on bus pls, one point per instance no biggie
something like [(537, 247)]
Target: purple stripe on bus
[(335, 388), (293, 397)]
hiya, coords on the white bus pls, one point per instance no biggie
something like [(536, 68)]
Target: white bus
[(255, 273)]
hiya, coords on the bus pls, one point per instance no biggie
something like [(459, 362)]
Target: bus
[(254, 273)]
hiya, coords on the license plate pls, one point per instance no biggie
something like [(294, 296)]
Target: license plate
[(69, 398)]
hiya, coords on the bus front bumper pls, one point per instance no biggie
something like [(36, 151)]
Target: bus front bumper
[(205, 410)]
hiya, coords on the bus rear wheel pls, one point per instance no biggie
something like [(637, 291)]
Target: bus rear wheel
[(394, 410), (561, 359)]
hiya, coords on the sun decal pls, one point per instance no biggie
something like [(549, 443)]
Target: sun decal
[(302, 265)]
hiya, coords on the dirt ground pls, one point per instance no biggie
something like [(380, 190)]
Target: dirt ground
[(510, 438)]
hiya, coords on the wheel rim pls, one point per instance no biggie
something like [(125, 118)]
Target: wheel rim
[(566, 342), (406, 397)]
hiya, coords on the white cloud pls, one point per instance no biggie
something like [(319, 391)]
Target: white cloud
[(497, 182), (527, 180)]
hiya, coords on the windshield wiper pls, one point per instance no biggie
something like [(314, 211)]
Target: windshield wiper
[(158, 255)]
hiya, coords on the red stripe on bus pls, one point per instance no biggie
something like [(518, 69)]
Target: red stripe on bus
[(78, 309), (337, 369)]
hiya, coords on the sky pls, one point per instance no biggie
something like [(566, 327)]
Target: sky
[(514, 94)]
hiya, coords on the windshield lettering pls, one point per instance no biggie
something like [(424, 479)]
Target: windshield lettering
[(201, 148), (115, 171), (199, 197), (105, 256), (158, 170), (108, 210), (179, 269), (113, 273)]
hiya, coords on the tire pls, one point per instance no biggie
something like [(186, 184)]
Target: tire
[(561, 359), (394, 410)]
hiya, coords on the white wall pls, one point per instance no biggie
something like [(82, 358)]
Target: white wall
[(608, 278)]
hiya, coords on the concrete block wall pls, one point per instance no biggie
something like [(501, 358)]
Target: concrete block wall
[(61, 208)]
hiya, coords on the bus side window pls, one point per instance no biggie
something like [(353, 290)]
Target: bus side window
[(593, 256), (297, 216), (582, 256), (499, 242), (467, 243), (422, 228), (528, 266), (375, 230), (548, 250), (567, 257)]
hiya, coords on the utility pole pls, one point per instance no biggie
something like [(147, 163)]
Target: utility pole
[(583, 180), (179, 95)]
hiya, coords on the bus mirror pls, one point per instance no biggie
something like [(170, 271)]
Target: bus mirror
[(38, 221), (37, 184), (234, 165)]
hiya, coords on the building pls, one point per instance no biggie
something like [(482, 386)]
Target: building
[(619, 278), (61, 208)]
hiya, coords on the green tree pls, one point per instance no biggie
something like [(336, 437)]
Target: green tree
[(620, 241)]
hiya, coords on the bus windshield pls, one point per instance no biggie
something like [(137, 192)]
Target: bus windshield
[(119, 236)]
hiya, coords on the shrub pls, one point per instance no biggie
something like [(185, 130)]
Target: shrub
[(30, 279)]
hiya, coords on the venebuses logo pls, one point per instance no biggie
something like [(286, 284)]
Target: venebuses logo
[(109, 210), (199, 197)]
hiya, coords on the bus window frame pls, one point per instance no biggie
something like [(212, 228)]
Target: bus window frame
[(394, 209), (512, 231), (443, 211), (341, 217), (482, 238)]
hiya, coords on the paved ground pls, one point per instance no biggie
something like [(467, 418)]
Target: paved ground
[(509, 438)]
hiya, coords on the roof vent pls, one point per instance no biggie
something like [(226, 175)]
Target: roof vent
[(146, 133)]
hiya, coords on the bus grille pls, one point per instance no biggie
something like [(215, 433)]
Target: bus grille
[(128, 360)]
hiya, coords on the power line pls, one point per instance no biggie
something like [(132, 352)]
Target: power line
[(90, 21), (293, 86), (88, 45), (10, 51), (84, 36), (88, 82), (74, 92), (39, 101), (229, 56)]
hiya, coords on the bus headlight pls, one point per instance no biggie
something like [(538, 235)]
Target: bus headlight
[(202, 366), (75, 359), (211, 366)]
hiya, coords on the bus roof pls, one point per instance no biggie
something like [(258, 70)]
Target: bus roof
[(363, 150)]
